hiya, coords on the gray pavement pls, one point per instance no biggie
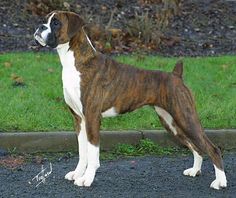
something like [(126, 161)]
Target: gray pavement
[(133, 177)]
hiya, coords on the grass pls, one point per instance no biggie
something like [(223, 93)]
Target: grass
[(145, 147), (31, 97)]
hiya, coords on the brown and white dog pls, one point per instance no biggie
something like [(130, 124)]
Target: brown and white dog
[(95, 86)]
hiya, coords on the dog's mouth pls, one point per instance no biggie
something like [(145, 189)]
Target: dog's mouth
[(40, 40), (35, 45)]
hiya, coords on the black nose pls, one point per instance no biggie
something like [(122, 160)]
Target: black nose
[(42, 28)]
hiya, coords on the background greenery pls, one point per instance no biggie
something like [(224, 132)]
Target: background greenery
[(31, 97)]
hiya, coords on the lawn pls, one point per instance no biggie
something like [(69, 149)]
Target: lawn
[(31, 97)]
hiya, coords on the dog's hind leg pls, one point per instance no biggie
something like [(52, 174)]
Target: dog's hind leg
[(195, 139), (215, 155), (180, 117), (197, 164), (202, 145), (170, 125), (188, 121)]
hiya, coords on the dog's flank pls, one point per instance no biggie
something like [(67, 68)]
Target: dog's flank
[(95, 86)]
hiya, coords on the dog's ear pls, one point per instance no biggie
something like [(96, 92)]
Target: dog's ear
[(178, 69), (75, 23), (87, 30), (49, 14)]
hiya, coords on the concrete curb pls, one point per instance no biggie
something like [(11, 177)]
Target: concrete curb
[(66, 141)]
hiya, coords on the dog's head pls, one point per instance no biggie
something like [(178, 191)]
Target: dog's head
[(59, 28)]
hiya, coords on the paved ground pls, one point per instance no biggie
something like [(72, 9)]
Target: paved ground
[(134, 177)]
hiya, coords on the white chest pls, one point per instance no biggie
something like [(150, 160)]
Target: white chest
[(70, 79)]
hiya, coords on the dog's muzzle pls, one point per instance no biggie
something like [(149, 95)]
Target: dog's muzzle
[(39, 39), (38, 35)]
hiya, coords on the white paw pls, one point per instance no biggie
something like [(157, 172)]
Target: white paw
[(218, 184), (70, 175), (73, 175), (87, 178), (78, 174), (192, 172), (84, 181)]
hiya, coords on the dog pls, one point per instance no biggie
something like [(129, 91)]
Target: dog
[(95, 86)]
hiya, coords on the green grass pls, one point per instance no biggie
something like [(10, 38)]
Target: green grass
[(145, 147), (39, 105)]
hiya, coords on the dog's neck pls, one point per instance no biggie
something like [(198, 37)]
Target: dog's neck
[(66, 55), (82, 48)]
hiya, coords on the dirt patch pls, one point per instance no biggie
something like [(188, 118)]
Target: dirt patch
[(11, 162)]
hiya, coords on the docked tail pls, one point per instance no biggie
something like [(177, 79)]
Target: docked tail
[(178, 69)]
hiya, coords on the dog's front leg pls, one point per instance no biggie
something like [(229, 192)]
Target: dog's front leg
[(92, 124), (82, 144)]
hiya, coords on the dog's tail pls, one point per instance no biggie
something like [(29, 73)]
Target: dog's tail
[(178, 69)]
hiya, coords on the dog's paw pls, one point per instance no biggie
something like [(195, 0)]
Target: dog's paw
[(192, 172), (87, 178), (218, 184), (69, 176), (84, 181), (78, 174), (73, 175)]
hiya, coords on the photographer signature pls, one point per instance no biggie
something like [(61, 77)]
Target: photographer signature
[(41, 176)]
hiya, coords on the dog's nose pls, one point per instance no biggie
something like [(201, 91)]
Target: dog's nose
[(42, 28)]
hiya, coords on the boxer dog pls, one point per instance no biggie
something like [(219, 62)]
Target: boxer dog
[(95, 86)]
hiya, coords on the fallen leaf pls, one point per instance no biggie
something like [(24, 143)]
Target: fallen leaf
[(104, 8), (115, 32), (59, 99), (17, 80), (66, 5), (50, 70), (7, 64), (225, 66)]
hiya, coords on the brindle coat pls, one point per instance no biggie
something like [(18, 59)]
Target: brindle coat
[(106, 83)]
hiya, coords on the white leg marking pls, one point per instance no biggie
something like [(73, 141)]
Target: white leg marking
[(82, 164), (93, 165), (197, 164), (110, 112), (167, 117), (220, 181)]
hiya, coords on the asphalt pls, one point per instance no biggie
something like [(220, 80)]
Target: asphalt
[(32, 142), (138, 177)]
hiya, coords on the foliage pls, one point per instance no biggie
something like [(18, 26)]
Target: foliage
[(43, 7), (142, 27), (145, 147)]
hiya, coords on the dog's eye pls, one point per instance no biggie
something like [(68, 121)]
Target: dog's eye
[(55, 22)]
